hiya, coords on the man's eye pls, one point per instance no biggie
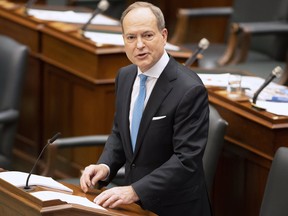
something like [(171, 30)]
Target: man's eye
[(130, 38), (148, 36)]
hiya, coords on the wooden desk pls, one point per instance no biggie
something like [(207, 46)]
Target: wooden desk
[(250, 143), (15, 201)]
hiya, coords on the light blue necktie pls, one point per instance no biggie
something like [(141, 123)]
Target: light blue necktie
[(138, 110)]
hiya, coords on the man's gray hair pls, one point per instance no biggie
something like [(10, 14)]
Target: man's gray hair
[(155, 10)]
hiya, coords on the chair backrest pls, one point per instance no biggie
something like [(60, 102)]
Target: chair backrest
[(274, 46), (13, 60), (217, 130), (262, 11), (276, 191)]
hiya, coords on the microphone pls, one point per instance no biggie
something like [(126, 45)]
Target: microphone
[(56, 136), (276, 72), (203, 45), (101, 7), (28, 5)]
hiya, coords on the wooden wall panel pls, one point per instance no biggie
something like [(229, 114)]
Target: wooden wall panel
[(76, 107), (240, 182)]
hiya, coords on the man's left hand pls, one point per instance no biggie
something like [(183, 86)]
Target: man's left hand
[(116, 196)]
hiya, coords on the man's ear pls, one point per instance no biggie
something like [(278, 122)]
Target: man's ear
[(165, 34)]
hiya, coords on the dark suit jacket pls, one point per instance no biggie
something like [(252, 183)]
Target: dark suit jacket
[(166, 168)]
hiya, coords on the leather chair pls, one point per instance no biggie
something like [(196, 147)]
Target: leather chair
[(13, 59), (262, 67), (217, 129), (242, 11), (276, 191)]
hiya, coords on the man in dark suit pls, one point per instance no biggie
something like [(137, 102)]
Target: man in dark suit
[(163, 163)]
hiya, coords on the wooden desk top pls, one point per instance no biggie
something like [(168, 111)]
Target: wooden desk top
[(245, 109), (132, 209), (11, 196)]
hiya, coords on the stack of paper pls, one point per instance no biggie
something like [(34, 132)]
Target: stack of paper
[(72, 199)]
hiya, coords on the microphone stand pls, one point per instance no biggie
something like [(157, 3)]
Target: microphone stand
[(277, 72), (28, 5), (203, 45), (101, 7), (56, 136)]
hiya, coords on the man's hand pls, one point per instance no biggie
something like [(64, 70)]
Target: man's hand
[(92, 174), (116, 196)]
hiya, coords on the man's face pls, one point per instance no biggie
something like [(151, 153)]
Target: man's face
[(144, 43)]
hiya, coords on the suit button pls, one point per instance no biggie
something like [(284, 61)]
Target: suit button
[(133, 165)]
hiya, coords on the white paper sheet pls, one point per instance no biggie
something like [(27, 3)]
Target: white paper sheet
[(276, 108), (218, 80), (72, 17), (72, 199), (105, 38), (272, 91), (18, 179)]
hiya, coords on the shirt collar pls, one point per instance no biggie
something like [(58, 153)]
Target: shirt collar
[(156, 70)]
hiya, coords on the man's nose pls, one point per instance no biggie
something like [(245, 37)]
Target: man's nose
[(140, 43)]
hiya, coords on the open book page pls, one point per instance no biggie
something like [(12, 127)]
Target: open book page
[(72, 199), (18, 179)]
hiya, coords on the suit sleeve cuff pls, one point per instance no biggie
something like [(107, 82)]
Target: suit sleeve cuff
[(108, 171)]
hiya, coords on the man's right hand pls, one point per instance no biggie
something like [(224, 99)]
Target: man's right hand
[(92, 174)]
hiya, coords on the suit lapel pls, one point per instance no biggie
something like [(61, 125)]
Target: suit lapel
[(129, 81), (162, 87)]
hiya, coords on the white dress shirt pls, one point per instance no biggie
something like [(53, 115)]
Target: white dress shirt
[(153, 74)]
